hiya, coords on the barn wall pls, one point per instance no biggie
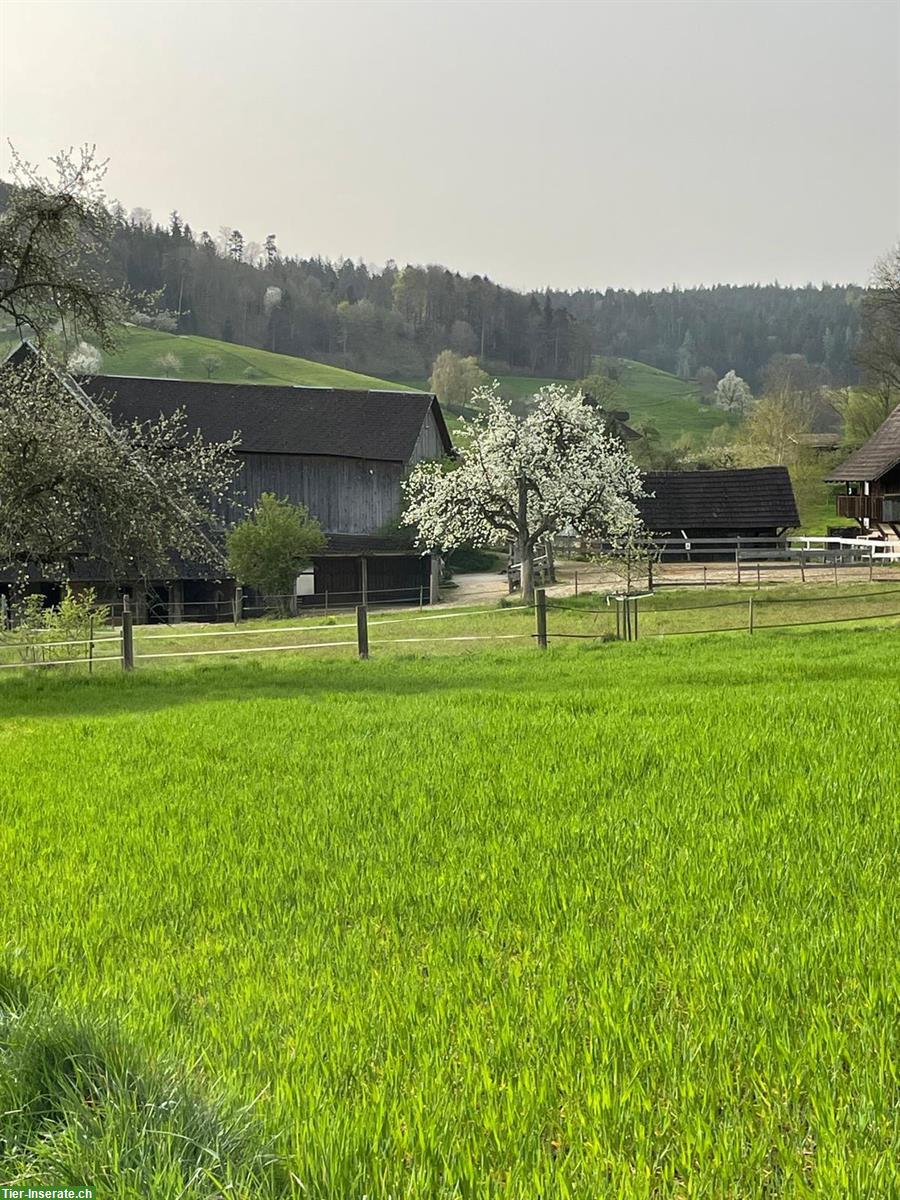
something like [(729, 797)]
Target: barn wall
[(428, 444), (347, 495)]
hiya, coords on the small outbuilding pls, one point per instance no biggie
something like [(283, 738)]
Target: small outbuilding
[(746, 502)]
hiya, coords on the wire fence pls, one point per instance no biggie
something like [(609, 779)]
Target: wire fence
[(616, 616)]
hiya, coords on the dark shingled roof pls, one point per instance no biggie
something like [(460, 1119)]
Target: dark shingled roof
[(875, 458), (281, 420), (751, 498)]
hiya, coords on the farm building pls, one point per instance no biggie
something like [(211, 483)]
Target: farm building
[(341, 453), (872, 478), (747, 502)]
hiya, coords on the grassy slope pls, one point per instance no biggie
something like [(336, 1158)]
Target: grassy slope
[(670, 403), (646, 392), (580, 924), (141, 349)]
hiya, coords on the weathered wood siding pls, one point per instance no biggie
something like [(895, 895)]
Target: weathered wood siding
[(347, 495), (428, 444)]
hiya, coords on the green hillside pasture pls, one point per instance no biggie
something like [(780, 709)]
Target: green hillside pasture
[(618, 923), (141, 349), (647, 393), (670, 403)]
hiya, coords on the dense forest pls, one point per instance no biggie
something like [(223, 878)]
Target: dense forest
[(393, 321)]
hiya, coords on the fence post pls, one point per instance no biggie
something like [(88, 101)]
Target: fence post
[(4, 612), (704, 577), (238, 604), (649, 574), (750, 616), (91, 644), (871, 561), (576, 583), (362, 631), (540, 611), (636, 618), (421, 597), (127, 635), (834, 565), (626, 613), (802, 565), (737, 559)]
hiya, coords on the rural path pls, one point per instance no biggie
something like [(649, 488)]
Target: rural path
[(487, 587)]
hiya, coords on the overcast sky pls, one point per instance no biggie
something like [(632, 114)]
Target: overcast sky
[(633, 144)]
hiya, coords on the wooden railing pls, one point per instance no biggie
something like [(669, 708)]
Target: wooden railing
[(859, 507)]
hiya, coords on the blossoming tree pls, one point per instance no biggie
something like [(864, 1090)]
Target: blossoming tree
[(526, 479)]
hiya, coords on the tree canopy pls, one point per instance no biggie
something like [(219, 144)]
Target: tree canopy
[(269, 548), (523, 479), (75, 484)]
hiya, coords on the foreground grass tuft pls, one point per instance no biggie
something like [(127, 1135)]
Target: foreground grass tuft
[(77, 1109)]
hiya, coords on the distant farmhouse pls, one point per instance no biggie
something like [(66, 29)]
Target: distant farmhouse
[(748, 502), (872, 478), (341, 453)]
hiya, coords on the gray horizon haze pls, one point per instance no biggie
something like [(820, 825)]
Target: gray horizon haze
[(559, 144)]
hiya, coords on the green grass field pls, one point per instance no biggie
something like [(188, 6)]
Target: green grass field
[(669, 402), (612, 921), (140, 350), (647, 393)]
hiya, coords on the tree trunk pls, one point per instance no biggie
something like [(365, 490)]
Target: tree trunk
[(526, 548), (526, 558)]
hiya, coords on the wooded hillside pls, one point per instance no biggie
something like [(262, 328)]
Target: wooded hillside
[(392, 321)]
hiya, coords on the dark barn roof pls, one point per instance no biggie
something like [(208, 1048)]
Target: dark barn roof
[(750, 498), (281, 420), (875, 457)]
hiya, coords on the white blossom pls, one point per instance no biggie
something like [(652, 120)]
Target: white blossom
[(527, 478), (85, 360)]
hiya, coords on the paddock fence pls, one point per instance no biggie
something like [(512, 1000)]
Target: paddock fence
[(593, 618)]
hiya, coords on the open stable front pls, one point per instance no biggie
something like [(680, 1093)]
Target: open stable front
[(376, 579)]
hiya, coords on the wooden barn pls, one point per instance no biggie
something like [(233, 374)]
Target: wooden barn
[(871, 476), (341, 453), (747, 502)]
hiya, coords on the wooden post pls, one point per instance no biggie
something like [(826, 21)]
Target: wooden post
[(176, 604), (704, 577), (364, 580), (326, 602), (362, 631), (737, 558), (540, 611), (434, 591), (802, 565), (649, 574), (750, 616), (576, 583), (636, 618), (127, 635), (4, 611), (238, 604), (626, 614), (834, 565), (871, 561), (91, 644), (421, 597), (293, 600)]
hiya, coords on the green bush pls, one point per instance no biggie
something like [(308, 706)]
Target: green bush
[(273, 545)]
